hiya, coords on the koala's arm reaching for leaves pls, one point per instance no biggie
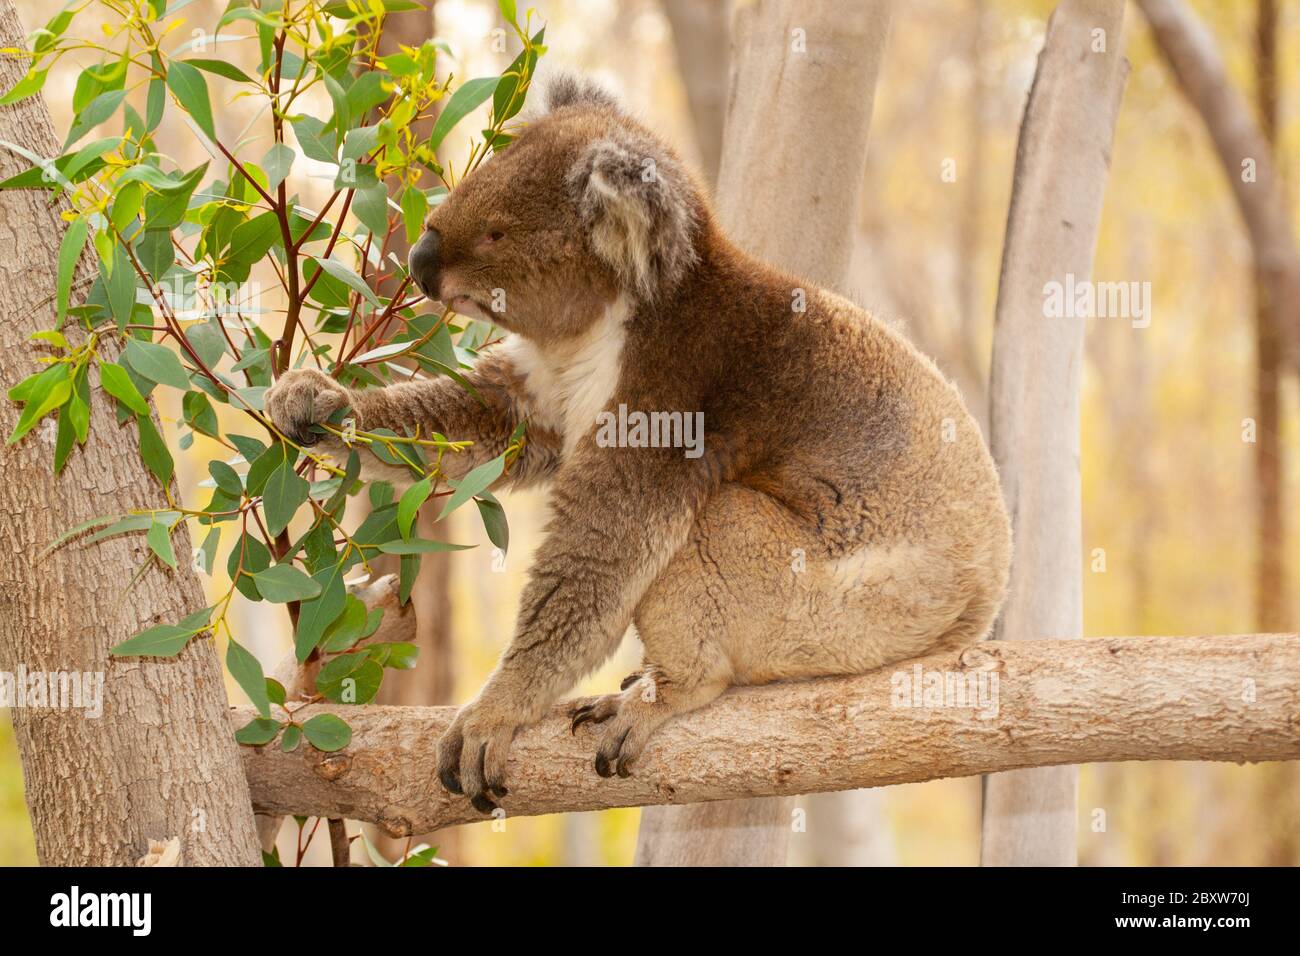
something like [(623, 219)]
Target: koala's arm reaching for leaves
[(487, 417), (619, 515)]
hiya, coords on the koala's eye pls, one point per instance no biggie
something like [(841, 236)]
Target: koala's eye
[(495, 236)]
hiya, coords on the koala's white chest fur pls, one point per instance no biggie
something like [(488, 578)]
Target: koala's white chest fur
[(569, 383)]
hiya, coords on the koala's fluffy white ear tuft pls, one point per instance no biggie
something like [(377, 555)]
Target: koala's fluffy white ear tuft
[(640, 208), (573, 89)]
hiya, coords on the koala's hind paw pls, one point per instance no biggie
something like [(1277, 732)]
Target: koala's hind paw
[(633, 715), (303, 398)]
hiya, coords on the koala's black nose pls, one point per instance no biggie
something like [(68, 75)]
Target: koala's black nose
[(425, 263)]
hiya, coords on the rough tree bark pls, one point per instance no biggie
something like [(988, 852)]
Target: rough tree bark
[(699, 37), (1054, 702), (803, 78), (161, 763), (1243, 150), (1062, 162)]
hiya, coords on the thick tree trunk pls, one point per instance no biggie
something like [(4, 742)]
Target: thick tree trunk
[(1027, 704), (1062, 163), (161, 762), (1244, 152), (700, 38), (788, 191)]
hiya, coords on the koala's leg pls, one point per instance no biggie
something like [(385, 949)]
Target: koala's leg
[(619, 516), (724, 590)]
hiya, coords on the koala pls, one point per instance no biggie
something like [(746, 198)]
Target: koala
[(842, 514)]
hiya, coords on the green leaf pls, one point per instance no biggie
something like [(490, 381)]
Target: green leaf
[(50, 390), (207, 341), (154, 452), (74, 241), (220, 68), (120, 282), (415, 207), (476, 481), (116, 382), (282, 583), (164, 640), (157, 363), (247, 672), (349, 278), (315, 142), (292, 738), (399, 655), (191, 90), (494, 520), (258, 732), (327, 733), (285, 491), (359, 687), (267, 463), (420, 546), (29, 85), (166, 208), (465, 100), (97, 111), (371, 207), (349, 628), (277, 163), (317, 615), (227, 478), (409, 505), (160, 542)]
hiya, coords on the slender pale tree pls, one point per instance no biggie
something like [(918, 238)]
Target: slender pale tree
[(1244, 153), (699, 33), (802, 74), (160, 763), (1062, 163)]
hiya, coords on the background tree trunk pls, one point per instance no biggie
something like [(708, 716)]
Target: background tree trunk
[(161, 762), (1270, 586), (787, 192), (699, 37), (1062, 162), (1243, 150)]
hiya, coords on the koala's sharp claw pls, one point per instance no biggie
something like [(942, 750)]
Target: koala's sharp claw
[(451, 781), (622, 768), (482, 804), (602, 766), (307, 438), (580, 716), (629, 680), (499, 789)]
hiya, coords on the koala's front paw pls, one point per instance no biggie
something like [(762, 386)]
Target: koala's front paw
[(301, 399), (472, 753)]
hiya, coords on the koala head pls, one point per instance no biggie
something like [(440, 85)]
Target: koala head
[(585, 206)]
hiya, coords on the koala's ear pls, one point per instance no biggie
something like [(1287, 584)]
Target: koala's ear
[(572, 89), (640, 210)]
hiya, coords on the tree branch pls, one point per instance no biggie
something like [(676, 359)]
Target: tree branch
[(1042, 703)]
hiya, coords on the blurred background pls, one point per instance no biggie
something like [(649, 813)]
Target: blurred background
[(1175, 521)]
